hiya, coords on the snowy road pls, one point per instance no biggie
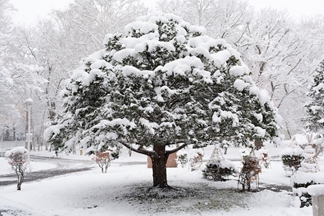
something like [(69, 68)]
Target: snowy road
[(63, 166)]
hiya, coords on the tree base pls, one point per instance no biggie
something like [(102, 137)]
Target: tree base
[(169, 192)]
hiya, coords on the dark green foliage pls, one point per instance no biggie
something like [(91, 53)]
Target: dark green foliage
[(161, 83), (315, 107), (216, 172), (182, 159), (305, 198), (292, 160), (115, 155)]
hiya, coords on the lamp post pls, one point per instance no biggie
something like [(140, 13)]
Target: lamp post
[(29, 103)]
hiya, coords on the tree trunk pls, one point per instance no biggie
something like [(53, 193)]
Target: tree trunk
[(7, 136), (258, 144), (14, 134), (19, 182), (159, 158), (159, 166), (20, 176)]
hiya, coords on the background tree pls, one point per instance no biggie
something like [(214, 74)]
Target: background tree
[(315, 107), (275, 47), (52, 48), (85, 23), (222, 19), (7, 107), (162, 83), (280, 59), (18, 74)]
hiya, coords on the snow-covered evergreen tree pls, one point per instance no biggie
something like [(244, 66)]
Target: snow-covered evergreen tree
[(162, 83), (315, 107)]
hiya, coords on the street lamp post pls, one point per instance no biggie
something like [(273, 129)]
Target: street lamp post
[(29, 103)]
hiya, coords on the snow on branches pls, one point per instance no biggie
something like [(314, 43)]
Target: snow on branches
[(315, 106), (166, 79), (17, 159), (163, 82)]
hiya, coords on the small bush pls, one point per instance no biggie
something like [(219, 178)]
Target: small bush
[(103, 160), (305, 198), (292, 160), (18, 158), (249, 172), (219, 170)]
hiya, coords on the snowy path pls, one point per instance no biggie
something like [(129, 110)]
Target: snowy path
[(62, 167)]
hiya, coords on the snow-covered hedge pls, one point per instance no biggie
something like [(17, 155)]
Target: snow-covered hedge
[(292, 156), (219, 170), (300, 182)]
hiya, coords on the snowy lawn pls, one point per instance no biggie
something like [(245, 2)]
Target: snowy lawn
[(126, 190)]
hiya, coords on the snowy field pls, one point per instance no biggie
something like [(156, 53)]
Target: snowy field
[(126, 190)]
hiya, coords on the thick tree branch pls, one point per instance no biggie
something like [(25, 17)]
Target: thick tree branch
[(176, 149), (139, 150)]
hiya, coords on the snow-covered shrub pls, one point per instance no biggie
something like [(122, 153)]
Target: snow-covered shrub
[(103, 158), (291, 157), (306, 175), (249, 172), (292, 160), (219, 170), (300, 182), (18, 158)]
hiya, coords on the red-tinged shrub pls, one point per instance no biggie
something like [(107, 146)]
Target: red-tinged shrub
[(18, 158)]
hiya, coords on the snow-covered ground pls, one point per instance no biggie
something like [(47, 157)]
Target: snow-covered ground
[(126, 190)]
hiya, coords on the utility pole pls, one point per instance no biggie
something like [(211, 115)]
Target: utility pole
[(29, 103)]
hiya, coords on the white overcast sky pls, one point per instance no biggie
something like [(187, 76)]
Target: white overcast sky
[(29, 10)]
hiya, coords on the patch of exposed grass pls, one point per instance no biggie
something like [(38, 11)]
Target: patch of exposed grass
[(194, 198)]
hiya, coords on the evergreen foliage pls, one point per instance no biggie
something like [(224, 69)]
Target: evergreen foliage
[(292, 160), (215, 170), (315, 107), (163, 82), (305, 198)]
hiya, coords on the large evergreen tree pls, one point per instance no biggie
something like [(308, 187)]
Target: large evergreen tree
[(315, 107), (163, 83)]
